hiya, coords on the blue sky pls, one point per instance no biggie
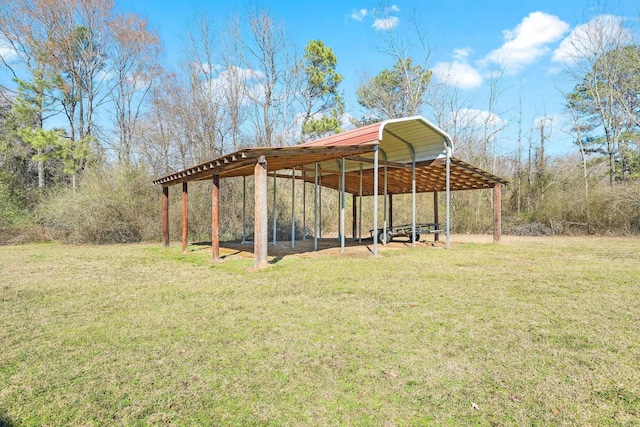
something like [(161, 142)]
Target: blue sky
[(467, 39)]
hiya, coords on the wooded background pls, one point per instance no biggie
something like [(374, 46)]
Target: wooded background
[(90, 114)]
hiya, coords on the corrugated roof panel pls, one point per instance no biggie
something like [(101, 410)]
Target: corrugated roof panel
[(362, 135), (427, 142)]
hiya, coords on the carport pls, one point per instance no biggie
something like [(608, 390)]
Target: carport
[(400, 156)]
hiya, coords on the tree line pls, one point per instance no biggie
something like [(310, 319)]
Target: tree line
[(89, 93)]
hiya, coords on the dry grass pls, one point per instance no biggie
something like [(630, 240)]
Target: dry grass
[(535, 331)]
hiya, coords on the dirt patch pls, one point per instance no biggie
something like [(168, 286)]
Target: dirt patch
[(353, 248), (534, 229), (327, 246)]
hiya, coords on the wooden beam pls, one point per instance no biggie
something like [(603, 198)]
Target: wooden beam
[(497, 213), (288, 176), (215, 218), (185, 219), (261, 220), (380, 162), (332, 151), (165, 217)]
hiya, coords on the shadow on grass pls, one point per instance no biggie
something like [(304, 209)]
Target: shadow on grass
[(209, 245), (276, 260), (228, 255), (5, 421)]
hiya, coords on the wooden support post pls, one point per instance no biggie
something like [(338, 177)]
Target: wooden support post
[(384, 209), (293, 208), (165, 217), (390, 210), (413, 202), (360, 208), (436, 237), (215, 218), (185, 219), (497, 213), (260, 240), (304, 207), (320, 206), (340, 230), (354, 213), (343, 232), (375, 201), (315, 209), (275, 211), (447, 225), (244, 210)]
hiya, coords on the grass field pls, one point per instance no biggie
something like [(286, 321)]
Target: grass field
[(535, 331)]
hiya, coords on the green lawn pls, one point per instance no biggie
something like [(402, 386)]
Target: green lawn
[(530, 332)]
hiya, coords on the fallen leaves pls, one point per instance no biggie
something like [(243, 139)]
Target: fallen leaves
[(390, 372)]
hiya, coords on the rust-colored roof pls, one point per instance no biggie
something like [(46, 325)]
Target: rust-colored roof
[(362, 135)]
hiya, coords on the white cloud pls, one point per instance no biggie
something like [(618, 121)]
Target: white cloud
[(546, 121), (234, 74), (461, 54), (459, 74), (386, 23), (528, 41), (6, 51), (206, 68), (245, 74), (359, 15), (346, 121), (382, 19), (600, 34), (248, 79), (469, 117)]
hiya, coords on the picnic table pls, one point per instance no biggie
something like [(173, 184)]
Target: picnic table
[(406, 231)]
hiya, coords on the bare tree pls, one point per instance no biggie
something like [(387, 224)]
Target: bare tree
[(203, 115), (265, 51), (158, 138), (136, 67), (577, 131), (234, 92), (544, 125)]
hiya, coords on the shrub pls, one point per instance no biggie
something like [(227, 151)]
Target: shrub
[(13, 211), (110, 206)]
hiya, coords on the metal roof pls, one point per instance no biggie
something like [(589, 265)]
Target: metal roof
[(400, 141)]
